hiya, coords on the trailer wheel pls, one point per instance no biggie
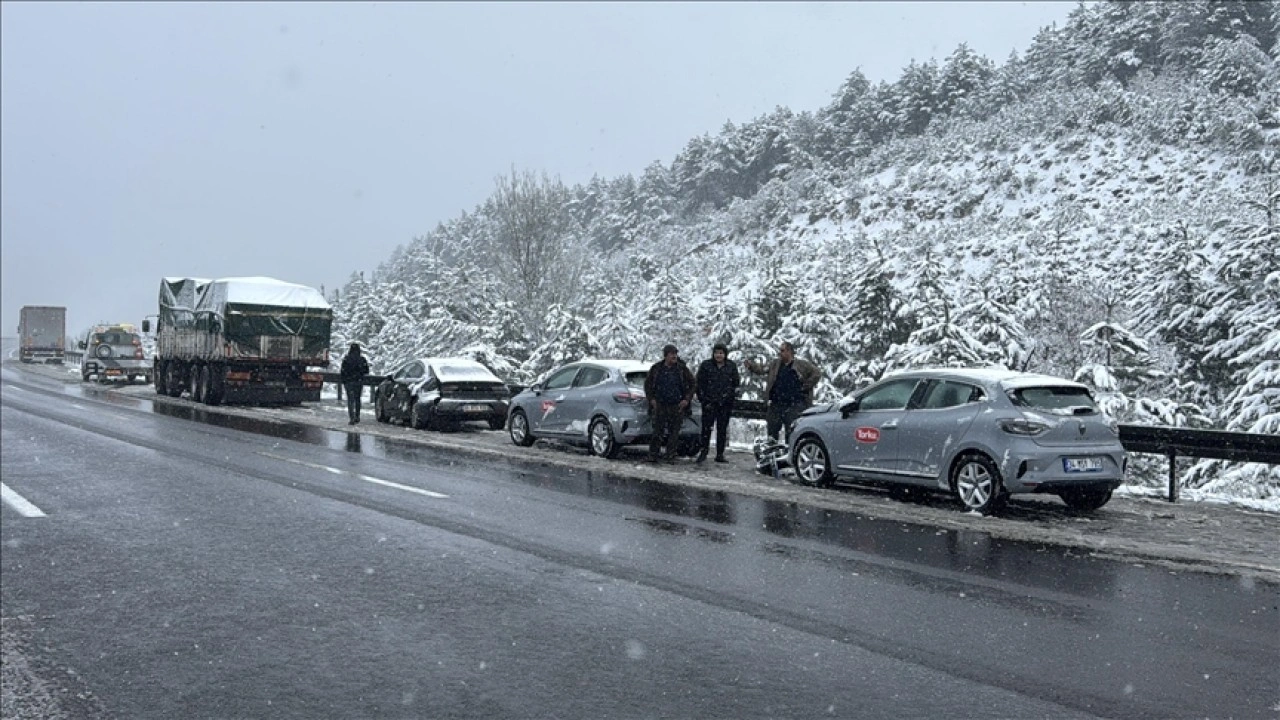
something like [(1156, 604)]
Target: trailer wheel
[(197, 383), (215, 388), (159, 373), (174, 378)]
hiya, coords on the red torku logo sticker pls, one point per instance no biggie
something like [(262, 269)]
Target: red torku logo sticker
[(548, 405), (867, 435)]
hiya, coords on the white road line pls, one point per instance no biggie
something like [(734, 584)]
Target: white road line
[(13, 387), (366, 478), (19, 503)]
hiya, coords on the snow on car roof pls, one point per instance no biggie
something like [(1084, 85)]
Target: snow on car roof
[(991, 376), (623, 365), (461, 369)]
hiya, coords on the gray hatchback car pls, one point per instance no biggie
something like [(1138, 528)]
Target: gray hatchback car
[(597, 403), (979, 434)]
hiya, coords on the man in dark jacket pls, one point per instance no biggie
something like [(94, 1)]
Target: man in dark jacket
[(669, 387), (717, 386), (354, 370), (789, 388)]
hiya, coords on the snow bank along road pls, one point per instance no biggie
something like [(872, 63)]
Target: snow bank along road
[(1186, 535)]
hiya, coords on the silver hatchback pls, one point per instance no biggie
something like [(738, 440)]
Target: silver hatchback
[(979, 434), (597, 403)]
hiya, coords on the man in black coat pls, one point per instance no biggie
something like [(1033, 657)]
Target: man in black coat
[(354, 370), (669, 387), (717, 387)]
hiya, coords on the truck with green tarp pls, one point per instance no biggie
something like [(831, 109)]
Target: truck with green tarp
[(246, 340)]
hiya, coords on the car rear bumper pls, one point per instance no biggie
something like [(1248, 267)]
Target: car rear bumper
[(1046, 471), (463, 410)]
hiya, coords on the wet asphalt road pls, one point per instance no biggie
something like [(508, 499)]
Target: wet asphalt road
[(195, 565)]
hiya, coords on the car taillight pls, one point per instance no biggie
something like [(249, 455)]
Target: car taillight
[(137, 354), (1023, 427), (628, 397)]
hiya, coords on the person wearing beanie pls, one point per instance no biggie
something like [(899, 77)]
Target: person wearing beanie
[(669, 387), (717, 381)]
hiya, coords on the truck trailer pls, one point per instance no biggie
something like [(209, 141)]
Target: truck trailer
[(246, 340), (42, 333)]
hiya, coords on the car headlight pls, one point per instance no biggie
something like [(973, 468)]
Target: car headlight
[(1023, 426)]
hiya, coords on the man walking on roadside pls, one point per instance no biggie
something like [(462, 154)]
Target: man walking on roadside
[(789, 388), (717, 386), (669, 387), (354, 369)]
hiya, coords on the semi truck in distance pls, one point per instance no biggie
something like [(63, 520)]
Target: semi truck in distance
[(245, 340), (42, 333)]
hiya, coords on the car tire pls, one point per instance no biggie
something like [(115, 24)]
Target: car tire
[(812, 462), (160, 374), (420, 416), (976, 482), (497, 422), (380, 409), (519, 429), (600, 440), (84, 376), (1085, 498)]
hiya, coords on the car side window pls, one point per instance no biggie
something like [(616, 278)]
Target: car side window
[(589, 376), (946, 394), (415, 370), (893, 395), (561, 380)]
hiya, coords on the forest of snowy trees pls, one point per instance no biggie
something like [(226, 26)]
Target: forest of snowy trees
[(1104, 206)]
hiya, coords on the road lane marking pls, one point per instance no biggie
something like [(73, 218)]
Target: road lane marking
[(19, 503), (366, 478)]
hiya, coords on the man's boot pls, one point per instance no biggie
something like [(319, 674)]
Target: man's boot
[(702, 455)]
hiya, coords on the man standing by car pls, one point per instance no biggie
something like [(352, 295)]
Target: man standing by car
[(717, 384), (669, 387), (789, 388), (354, 370)]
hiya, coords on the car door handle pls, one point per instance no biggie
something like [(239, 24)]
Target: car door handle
[(891, 425)]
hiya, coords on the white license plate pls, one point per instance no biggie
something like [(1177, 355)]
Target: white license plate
[(475, 408), (1076, 465)]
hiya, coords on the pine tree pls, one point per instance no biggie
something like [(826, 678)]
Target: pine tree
[(569, 340)]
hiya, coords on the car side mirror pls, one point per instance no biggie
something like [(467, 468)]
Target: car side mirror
[(849, 408), (80, 344), (146, 326), (536, 388)]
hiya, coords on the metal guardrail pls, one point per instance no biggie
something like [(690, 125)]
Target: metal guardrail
[(1212, 444)]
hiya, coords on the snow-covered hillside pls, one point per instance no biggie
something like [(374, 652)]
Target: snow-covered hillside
[(1105, 207)]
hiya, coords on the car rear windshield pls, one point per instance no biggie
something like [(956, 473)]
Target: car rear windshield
[(1055, 398), (637, 378), (117, 338)]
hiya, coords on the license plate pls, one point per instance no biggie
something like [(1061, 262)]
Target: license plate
[(475, 408), (1076, 465)]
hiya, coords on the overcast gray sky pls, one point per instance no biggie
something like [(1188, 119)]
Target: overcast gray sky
[(306, 141)]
